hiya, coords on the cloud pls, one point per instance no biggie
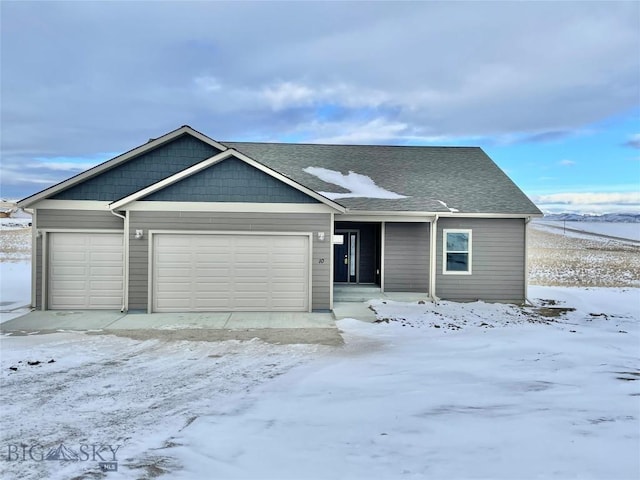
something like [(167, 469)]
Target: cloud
[(21, 179), (544, 137), (633, 141), (622, 198), (584, 202), (567, 163)]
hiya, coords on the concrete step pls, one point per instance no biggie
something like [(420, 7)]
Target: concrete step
[(356, 293)]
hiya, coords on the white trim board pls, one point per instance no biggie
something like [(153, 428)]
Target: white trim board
[(71, 205), (234, 207), (363, 215)]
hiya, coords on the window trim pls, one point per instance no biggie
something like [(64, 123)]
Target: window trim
[(469, 250)]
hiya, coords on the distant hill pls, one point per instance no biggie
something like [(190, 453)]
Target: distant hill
[(606, 217)]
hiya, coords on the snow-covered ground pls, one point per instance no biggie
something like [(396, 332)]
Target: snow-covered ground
[(450, 391)]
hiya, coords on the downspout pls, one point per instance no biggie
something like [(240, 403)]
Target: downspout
[(125, 266), (526, 261), (433, 259)]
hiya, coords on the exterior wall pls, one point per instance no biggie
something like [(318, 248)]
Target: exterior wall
[(141, 171), (72, 220), (498, 261), (223, 221), (231, 180), (406, 257)]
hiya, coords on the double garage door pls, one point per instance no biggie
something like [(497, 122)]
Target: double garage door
[(239, 272)]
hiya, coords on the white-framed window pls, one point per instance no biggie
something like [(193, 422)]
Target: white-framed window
[(456, 251)]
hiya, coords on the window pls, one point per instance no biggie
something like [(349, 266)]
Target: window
[(456, 257)]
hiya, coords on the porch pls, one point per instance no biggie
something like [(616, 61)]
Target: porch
[(363, 293)]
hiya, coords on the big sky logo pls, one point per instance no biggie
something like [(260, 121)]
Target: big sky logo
[(104, 454)]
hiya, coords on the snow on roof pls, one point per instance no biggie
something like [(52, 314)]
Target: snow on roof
[(358, 185), (451, 209)]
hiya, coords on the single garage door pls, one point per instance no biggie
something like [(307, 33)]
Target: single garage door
[(85, 270), (215, 272)]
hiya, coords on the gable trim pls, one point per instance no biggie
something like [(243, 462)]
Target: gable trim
[(187, 172), (114, 162)]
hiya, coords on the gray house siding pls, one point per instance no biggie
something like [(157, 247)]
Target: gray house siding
[(231, 180), (141, 171), (223, 221), (72, 220), (406, 257), (498, 261)]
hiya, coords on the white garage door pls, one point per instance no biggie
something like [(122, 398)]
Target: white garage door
[(85, 270), (206, 272)]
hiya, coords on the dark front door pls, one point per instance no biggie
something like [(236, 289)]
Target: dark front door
[(345, 258)]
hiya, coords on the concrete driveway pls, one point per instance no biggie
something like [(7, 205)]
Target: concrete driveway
[(272, 327)]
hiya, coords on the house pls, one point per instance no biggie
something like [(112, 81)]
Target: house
[(184, 223)]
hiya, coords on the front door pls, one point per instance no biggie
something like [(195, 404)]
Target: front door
[(345, 255)]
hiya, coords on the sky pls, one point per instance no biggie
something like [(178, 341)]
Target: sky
[(550, 90)]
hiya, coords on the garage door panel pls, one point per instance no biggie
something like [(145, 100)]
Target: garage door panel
[(106, 257), (85, 270), (231, 272), (168, 287), (249, 272), (62, 286), (69, 256), (67, 270)]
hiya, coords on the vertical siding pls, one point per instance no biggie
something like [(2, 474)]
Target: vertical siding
[(72, 220), (406, 257), (222, 221), (498, 261)]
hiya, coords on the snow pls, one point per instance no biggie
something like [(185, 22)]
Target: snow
[(14, 223), (525, 400), (15, 288), (453, 210), (629, 231), (358, 185), (451, 390)]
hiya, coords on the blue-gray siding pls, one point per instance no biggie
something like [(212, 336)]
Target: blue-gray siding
[(217, 221), (141, 171), (406, 257), (72, 220), (498, 261), (231, 180)]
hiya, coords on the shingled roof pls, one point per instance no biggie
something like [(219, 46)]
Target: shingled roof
[(463, 178)]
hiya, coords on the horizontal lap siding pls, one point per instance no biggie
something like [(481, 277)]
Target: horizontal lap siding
[(249, 222), (71, 220), (498, 261), (406, 257)]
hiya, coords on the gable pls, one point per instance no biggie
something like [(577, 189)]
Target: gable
[(230, 180), (141, 171)]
